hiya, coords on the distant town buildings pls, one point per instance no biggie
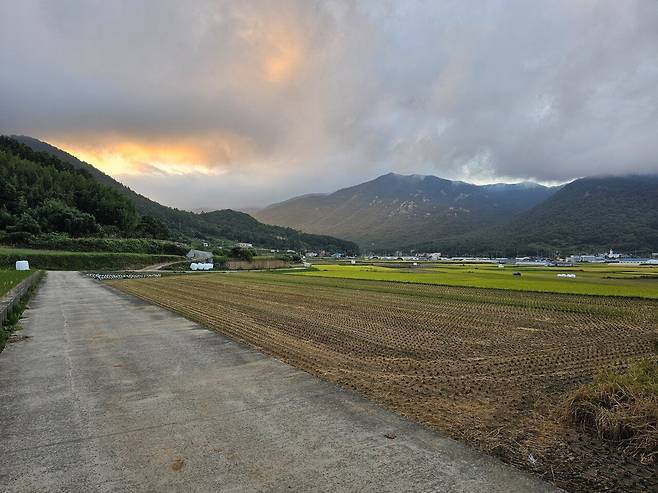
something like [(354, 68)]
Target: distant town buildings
[(609, 257), (244, 245)]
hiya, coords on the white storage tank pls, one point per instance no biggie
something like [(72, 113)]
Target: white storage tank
[(22, 265), (194, 266)]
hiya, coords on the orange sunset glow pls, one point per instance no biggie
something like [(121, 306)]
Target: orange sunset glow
[(284, 58), (132, 157)]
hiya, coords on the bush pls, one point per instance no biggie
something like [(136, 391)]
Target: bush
[(219, 259), (621, 407), (290, 257), (242, 254), (14, 315)]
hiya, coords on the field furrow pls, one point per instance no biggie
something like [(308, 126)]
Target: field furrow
[(485, 366)]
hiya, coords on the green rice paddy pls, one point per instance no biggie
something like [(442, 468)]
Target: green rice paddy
[(601, 280)]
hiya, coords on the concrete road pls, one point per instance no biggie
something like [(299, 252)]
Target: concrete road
[(109, 393)]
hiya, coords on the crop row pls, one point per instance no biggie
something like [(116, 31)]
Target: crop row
[(480, 348), (467, 362)]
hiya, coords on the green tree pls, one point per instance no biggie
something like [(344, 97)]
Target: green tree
[(26, 224), (242, 253), (56, 216), (152, 227)]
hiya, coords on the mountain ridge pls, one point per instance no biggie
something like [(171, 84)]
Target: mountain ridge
[(424, 212), (187, 224), (378, 213)]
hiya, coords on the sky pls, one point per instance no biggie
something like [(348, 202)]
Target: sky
[(212, 103)]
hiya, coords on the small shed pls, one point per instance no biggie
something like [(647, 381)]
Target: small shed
[(199, 256)]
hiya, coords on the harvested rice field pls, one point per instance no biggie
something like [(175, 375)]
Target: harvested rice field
[(484, 366)]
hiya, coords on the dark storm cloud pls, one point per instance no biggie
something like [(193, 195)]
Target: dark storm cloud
[(256, 101)]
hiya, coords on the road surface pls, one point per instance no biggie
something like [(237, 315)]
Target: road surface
[(109, 393)]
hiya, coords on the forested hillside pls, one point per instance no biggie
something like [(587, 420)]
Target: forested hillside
[(587, 215), (232, 224), (152, 219), (619, 212), (41, 194)]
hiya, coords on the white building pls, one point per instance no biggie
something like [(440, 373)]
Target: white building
[(244, 245)]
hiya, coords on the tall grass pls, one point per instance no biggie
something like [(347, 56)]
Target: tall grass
[(621, 407), (11, 278)]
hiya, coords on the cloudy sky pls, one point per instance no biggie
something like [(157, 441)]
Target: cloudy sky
[(214, 103)]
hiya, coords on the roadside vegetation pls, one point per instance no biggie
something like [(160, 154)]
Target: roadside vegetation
[(617, 280), (622, 407), (11, 278), (10, 325), (63, 260), (57, 241)]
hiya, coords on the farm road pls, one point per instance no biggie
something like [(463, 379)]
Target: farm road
[(109, 393)]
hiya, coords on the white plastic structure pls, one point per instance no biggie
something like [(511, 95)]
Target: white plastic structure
[(194, 266), (22, 265)]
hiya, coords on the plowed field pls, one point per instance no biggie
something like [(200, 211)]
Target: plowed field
[(487, 367)]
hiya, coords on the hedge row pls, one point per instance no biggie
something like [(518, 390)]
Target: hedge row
[(62, 260), (122, 245)]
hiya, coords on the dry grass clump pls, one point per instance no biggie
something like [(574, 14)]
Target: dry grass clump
[(621, 407)]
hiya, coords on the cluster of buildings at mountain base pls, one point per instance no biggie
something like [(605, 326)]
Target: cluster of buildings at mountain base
[(609, 258), (612, 257)]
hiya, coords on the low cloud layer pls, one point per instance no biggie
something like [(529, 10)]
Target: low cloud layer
[(234, 104)]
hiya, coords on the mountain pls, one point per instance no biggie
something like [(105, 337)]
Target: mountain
[(181, 222), (226, 224), (594, 214), (395, 211)]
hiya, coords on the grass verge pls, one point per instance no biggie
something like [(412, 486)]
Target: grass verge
[(10, 325), (621, 407), (11, 278)]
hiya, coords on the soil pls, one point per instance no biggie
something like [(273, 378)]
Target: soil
[(487, 367)]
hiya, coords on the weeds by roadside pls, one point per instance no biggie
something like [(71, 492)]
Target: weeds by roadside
[(621, 407), (11, 325)]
